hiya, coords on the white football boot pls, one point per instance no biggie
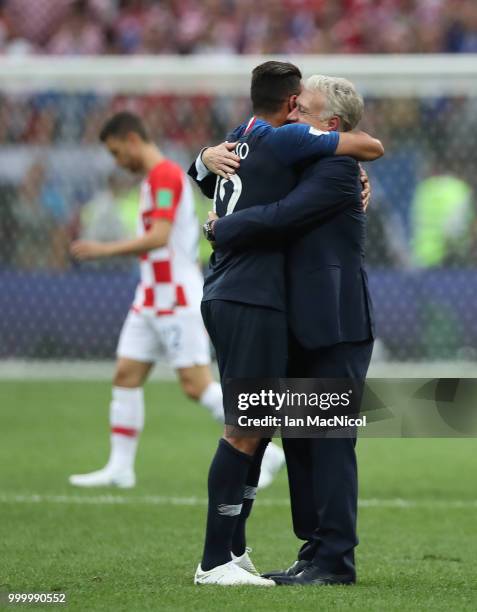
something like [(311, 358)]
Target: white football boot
[(107, 477), (230, 574), (245, 562), (272, 462)]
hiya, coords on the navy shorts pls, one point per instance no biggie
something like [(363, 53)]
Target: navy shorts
[(250, 341)]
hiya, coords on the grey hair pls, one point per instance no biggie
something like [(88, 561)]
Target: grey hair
[(342, 99)]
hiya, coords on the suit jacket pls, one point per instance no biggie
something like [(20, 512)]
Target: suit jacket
[(323, 228)]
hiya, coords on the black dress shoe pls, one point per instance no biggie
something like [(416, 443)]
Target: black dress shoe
[(293, 570), (313, 576)]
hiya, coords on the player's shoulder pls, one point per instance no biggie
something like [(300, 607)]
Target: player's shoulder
[(291, 133), (236, 133), (166, 170)]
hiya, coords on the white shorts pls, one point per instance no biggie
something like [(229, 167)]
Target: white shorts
[(179, 339)]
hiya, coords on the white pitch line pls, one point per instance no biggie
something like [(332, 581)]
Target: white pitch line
[(65, 370), (157, 500)]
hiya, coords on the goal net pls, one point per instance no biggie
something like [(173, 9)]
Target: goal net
[(56, 184)]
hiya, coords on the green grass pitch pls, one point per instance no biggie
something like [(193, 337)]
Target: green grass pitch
[(141, 554)]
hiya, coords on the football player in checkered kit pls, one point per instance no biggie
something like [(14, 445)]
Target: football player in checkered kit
[(164, 319)]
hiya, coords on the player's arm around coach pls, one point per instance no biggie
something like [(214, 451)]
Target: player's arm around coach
[(222, 159)]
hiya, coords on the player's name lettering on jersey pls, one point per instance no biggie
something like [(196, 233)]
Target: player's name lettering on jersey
[(242, 150)]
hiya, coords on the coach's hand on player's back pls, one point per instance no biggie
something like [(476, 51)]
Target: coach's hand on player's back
[(221, 159)]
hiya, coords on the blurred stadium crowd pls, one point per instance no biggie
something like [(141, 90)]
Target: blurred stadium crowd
[(80, 27)]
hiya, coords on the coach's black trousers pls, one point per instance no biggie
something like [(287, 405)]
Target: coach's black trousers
[(322, 472)]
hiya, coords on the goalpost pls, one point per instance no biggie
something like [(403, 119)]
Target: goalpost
[(424, 108)]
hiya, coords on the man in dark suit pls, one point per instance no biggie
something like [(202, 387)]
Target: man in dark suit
[(331, 326)]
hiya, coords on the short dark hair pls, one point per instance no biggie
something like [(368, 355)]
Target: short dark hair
[(121, 124), (272, 84)]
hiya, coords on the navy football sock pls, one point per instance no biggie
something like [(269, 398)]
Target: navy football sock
[(239, 541), (227, 476)]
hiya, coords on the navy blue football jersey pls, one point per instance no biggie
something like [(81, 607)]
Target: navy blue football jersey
[(268, 172)]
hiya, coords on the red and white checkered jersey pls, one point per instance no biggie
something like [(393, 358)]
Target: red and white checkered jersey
[(170, 275)]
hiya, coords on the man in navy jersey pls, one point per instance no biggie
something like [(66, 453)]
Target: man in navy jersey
[(244, 297)]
